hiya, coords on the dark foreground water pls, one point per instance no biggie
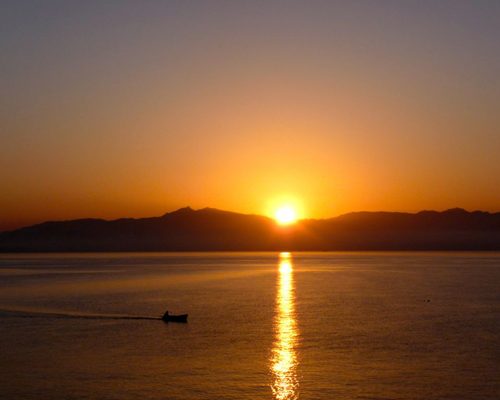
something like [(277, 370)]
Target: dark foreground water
[(261, 326)]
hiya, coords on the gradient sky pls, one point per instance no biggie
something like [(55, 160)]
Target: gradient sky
[(135, 108)]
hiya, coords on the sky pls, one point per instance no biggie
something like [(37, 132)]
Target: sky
[(136, 108)]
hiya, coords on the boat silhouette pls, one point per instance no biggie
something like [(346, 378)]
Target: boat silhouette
[(174, 318)]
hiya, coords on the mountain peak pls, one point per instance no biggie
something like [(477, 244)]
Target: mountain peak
[(180, 211), (456, 210)]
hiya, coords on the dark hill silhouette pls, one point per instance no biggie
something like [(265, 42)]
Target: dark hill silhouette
[(210, 229)]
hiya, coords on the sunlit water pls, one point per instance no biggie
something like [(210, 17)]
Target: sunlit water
[(284, 359), (261, 326)]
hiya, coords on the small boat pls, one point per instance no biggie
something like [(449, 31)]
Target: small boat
[(174, 318)]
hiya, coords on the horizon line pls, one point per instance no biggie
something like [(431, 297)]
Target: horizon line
[(189, 208)]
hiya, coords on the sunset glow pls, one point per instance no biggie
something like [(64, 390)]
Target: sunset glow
[(244, 116), (285, 215)]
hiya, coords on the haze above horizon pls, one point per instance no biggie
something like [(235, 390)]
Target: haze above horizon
[(128, 109)]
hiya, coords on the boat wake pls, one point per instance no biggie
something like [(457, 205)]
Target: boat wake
[(28, 313)]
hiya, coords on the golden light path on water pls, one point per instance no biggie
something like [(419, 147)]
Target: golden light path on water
[(285, 384)]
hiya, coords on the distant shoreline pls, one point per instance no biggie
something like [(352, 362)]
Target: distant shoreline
[(212, 230), (184, 252)]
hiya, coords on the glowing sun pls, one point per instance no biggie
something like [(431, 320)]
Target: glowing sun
[(285, 215)]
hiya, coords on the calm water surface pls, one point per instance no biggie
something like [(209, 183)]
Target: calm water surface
[(261, 326)]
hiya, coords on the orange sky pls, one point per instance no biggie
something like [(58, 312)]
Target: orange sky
[(119, 110)]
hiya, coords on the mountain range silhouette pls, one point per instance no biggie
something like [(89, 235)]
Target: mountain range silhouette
[(210, 229)]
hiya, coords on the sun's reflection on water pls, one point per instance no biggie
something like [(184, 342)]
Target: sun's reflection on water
[(284, 358)]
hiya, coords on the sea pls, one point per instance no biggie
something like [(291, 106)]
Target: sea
[(339, 325)]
